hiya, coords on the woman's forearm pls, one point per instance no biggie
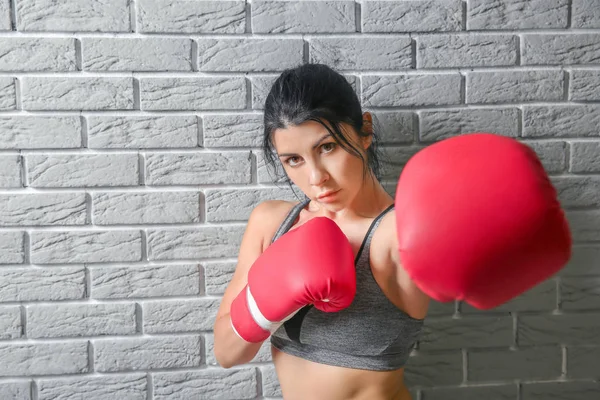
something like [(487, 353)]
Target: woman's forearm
[(231, 350)]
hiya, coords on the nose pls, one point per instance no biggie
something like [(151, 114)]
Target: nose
[(318, 174)]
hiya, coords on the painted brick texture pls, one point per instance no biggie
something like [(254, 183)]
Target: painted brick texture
[(130, 159)]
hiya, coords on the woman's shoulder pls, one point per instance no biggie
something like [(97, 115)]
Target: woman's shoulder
[(271, 209), (269, 215)]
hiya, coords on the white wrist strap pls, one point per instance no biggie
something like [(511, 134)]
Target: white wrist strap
[(258, 316)]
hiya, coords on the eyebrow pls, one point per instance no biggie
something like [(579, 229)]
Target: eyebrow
[(314, 146)]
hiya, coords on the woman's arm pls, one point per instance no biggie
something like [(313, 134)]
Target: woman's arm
[(414, 301), (229, 348)]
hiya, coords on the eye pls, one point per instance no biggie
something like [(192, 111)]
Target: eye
[(328, 147), (292, 161)]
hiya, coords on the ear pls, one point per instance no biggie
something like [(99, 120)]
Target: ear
[(368, 129)]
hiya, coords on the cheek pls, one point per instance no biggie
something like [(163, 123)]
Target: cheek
[(348, 167), (299, 177)]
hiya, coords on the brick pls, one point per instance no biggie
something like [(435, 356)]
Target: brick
[(8, 94), (585, 14), (12, 249), (452, 51), (578, 191), (117, 208), (585, 225), (584, 85), (411, 90), (49, 321), (43, 209), (85, 246), (56, 358), (261, 85), (237, 204), (143, 54), (192, 93), (209, 347), (15, 390), (303, 16), (10, 171), (184, 16), (466, 332), (107, 387), (147, 353), (123, 282), (551, 154), (217, 275), (567, 329), (80, 16), (496, 392), (11, 326), (395, 127), (582, 362), (42, 284), (561, 121), (542, 297), (5, 25), (540, 49), (37, 54), (82, 170), (438, 125), (364, 53), (394, 158), (270, 382), (584, 157), (210, 383), (74, 93), (525, 363), (202, 242), (517, 14), (585, 260), (580, 293), (252, 54), (514, 86), (114, 132), (432, 369), (234, 130), (560, 390), (198, 168), (174, 316), (437, 308), (35, 132), (411, 16)]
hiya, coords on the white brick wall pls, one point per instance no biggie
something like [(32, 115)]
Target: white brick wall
[(130, 159)]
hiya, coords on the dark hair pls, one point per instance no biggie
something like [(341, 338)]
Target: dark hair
[(315, 92)]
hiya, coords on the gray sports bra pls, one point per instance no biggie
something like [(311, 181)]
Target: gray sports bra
[(371, 334)]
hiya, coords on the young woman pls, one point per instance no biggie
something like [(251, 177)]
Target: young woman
[(315, 129), (476, 219)]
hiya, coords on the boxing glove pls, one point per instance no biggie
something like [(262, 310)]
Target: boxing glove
[(478, 220), (313, 264)]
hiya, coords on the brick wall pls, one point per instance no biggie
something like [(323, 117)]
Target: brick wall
[(129, 162)]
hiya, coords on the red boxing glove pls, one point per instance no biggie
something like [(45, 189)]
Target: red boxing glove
[(313, 264), (478, 220)]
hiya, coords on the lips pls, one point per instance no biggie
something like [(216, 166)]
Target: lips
[(327, 194)]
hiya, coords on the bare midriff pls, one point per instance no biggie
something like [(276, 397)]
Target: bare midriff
[(306, 380)]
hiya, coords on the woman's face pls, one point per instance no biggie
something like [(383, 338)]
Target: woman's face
[(319, 166)]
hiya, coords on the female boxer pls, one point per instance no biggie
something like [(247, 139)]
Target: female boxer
[(315, 130), (340, 282)]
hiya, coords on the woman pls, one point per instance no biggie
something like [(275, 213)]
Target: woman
[(326, 145)]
